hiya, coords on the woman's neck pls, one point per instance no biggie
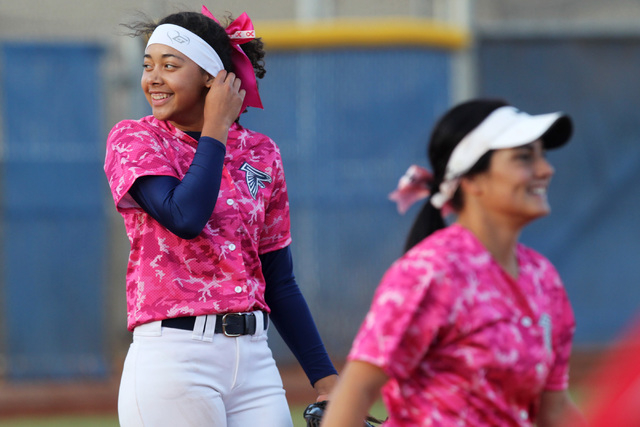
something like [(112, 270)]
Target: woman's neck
[(192, 127), (499, 238)]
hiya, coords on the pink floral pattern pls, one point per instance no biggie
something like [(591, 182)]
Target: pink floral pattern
[(218, 271), (465, 344)]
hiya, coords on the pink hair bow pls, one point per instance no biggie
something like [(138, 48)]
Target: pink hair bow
[(241, 31), (412, 186)]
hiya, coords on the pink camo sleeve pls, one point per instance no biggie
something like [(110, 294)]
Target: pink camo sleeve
[(133, 151), (276, 232), (563, 330), (410, 306)]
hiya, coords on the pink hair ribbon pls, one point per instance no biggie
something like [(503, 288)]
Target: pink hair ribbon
[(412, 187), (241, 31)]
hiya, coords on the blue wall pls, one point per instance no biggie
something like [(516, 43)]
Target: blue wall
[(53, 216), (349, 123), (592, 235)]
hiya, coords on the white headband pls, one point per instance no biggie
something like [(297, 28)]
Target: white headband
[(506, 127), (189, 44)]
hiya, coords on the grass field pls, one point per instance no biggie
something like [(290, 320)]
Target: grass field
[(62, 421), (112, 421)]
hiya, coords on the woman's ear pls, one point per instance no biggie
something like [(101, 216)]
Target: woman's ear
[(208, 80), (471, 185)]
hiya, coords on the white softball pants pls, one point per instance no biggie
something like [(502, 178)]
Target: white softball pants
[(174, 377)]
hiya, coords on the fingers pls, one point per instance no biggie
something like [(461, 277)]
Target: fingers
[(223, 101), (231, 81), (224, 77), (221, 76)]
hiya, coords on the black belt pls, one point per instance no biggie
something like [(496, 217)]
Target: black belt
[(230, 324)]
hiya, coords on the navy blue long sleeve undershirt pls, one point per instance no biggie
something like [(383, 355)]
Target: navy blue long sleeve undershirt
[(184, 207), (291, 316)]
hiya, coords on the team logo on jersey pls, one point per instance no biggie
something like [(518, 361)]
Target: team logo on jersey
[(255, 178)]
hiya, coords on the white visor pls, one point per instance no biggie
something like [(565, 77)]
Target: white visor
[(188, 43), (506, 127)]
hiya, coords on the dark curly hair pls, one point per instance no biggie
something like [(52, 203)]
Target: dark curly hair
[(211, 32)]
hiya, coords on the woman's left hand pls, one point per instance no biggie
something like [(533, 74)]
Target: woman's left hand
[(324, 386)]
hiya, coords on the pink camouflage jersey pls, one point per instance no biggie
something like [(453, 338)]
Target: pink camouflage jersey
[(219, 271), (465, 344)]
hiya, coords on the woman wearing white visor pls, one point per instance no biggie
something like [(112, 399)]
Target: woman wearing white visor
[(469, 327)]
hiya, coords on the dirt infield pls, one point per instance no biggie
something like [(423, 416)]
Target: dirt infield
[(100, 397)]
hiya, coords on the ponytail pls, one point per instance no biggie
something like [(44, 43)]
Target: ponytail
[(428, 221), (446, 134)]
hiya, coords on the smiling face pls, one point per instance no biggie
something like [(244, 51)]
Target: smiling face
[(515, 186), (175, 87)]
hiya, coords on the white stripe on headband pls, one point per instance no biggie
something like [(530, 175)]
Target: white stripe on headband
[(188, 43), (506, 127)]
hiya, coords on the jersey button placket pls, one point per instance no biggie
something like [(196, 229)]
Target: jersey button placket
[(233, 252)]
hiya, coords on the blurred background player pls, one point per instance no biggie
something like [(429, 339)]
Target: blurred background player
[(470, 327), (205, 207), (612, 392)]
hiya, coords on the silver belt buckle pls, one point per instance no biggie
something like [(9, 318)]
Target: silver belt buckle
[(224, 325)]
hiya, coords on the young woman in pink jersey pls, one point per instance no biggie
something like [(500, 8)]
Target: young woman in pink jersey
[(205, 206), (469, 327)]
